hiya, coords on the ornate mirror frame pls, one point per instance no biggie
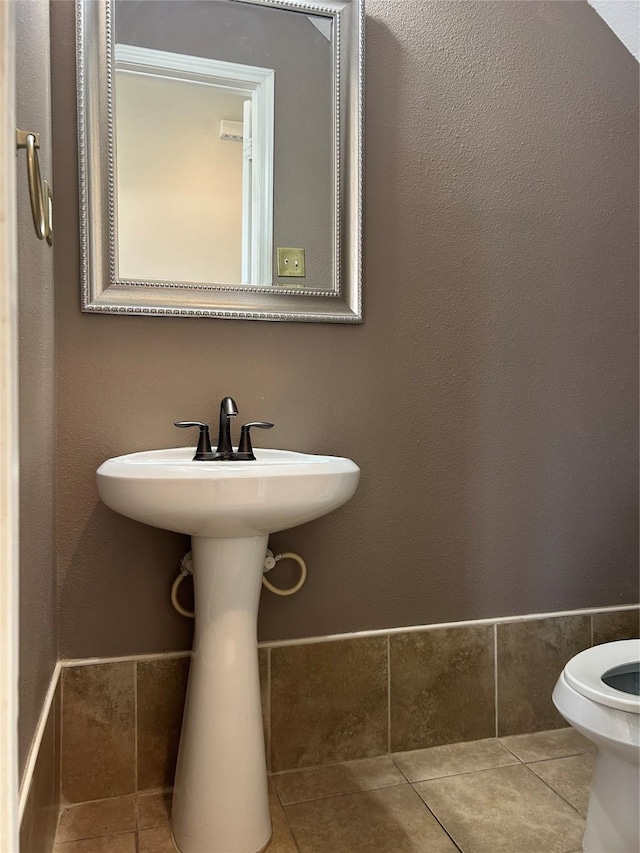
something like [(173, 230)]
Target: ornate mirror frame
[(103, 292)]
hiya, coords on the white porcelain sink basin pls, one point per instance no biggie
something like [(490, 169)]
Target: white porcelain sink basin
[(221, 798), (280, 489)]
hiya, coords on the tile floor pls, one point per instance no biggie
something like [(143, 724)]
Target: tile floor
[(518, 794)]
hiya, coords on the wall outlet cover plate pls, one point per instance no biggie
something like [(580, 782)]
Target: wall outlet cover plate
[(291, 262)]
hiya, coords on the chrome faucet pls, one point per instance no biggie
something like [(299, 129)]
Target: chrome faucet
[(228, 410)]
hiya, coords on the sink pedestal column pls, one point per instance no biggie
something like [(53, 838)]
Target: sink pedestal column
[(220, 800)]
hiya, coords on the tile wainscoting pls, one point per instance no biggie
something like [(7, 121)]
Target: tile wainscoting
[(114, 725), (331, 700)]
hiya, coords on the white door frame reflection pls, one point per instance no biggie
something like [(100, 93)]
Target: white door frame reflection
[(257, 87)]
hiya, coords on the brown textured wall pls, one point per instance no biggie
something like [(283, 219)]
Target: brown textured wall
[(38, 641), (490, 398)]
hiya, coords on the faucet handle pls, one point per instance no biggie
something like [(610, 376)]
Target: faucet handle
[(203, 451), (245, 450)]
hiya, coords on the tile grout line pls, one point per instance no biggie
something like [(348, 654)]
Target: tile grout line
[(376, 632), (136, 812), (510, 750), (437, 626), (557, 793), (289, 827), (591, 621), (515, 763), (467, 772), (346, 794), (436, 818), (143, 793), (389, 694), (269, 738), (60, 746), (397, 766), (558, 757), (135, 726), (495, 673), (330, 764), (284, 814), (392, 754), (62, 845), (414, 782)]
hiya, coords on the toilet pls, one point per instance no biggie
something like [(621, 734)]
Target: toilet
[(597, 693)]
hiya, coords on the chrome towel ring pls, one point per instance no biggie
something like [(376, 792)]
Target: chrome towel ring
[(39, 191)]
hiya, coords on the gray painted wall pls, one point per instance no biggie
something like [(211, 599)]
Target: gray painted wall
[(38, 641), (490, 398)]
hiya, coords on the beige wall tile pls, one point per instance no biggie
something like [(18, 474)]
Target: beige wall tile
[(620, 625), (504, 810), (569, 777), (531, 656), (98, 738), (328, 702), (543, 745), (101, 817), (389, 820), (442, 687), (162, 686), (297, 786), (38, 825), (453, 758)]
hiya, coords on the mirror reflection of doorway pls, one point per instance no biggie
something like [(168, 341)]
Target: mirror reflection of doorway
[(194, 168)]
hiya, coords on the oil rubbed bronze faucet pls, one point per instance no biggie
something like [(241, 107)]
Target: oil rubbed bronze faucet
[(228, 410), (224, 451)]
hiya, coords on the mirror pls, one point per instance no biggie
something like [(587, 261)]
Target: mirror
[(193, 212), (221, 158)]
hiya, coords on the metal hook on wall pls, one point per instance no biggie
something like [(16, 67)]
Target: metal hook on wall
[(48, 212), (39, 191)]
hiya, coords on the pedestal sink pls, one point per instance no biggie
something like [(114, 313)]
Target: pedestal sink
[(220, 801)]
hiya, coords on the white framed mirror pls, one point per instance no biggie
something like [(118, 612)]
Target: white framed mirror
[(221, 158)]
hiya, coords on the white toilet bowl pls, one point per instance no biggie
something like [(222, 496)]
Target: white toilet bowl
[(597, 694)]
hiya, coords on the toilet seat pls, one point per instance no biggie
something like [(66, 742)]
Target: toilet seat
[(584, 674)]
